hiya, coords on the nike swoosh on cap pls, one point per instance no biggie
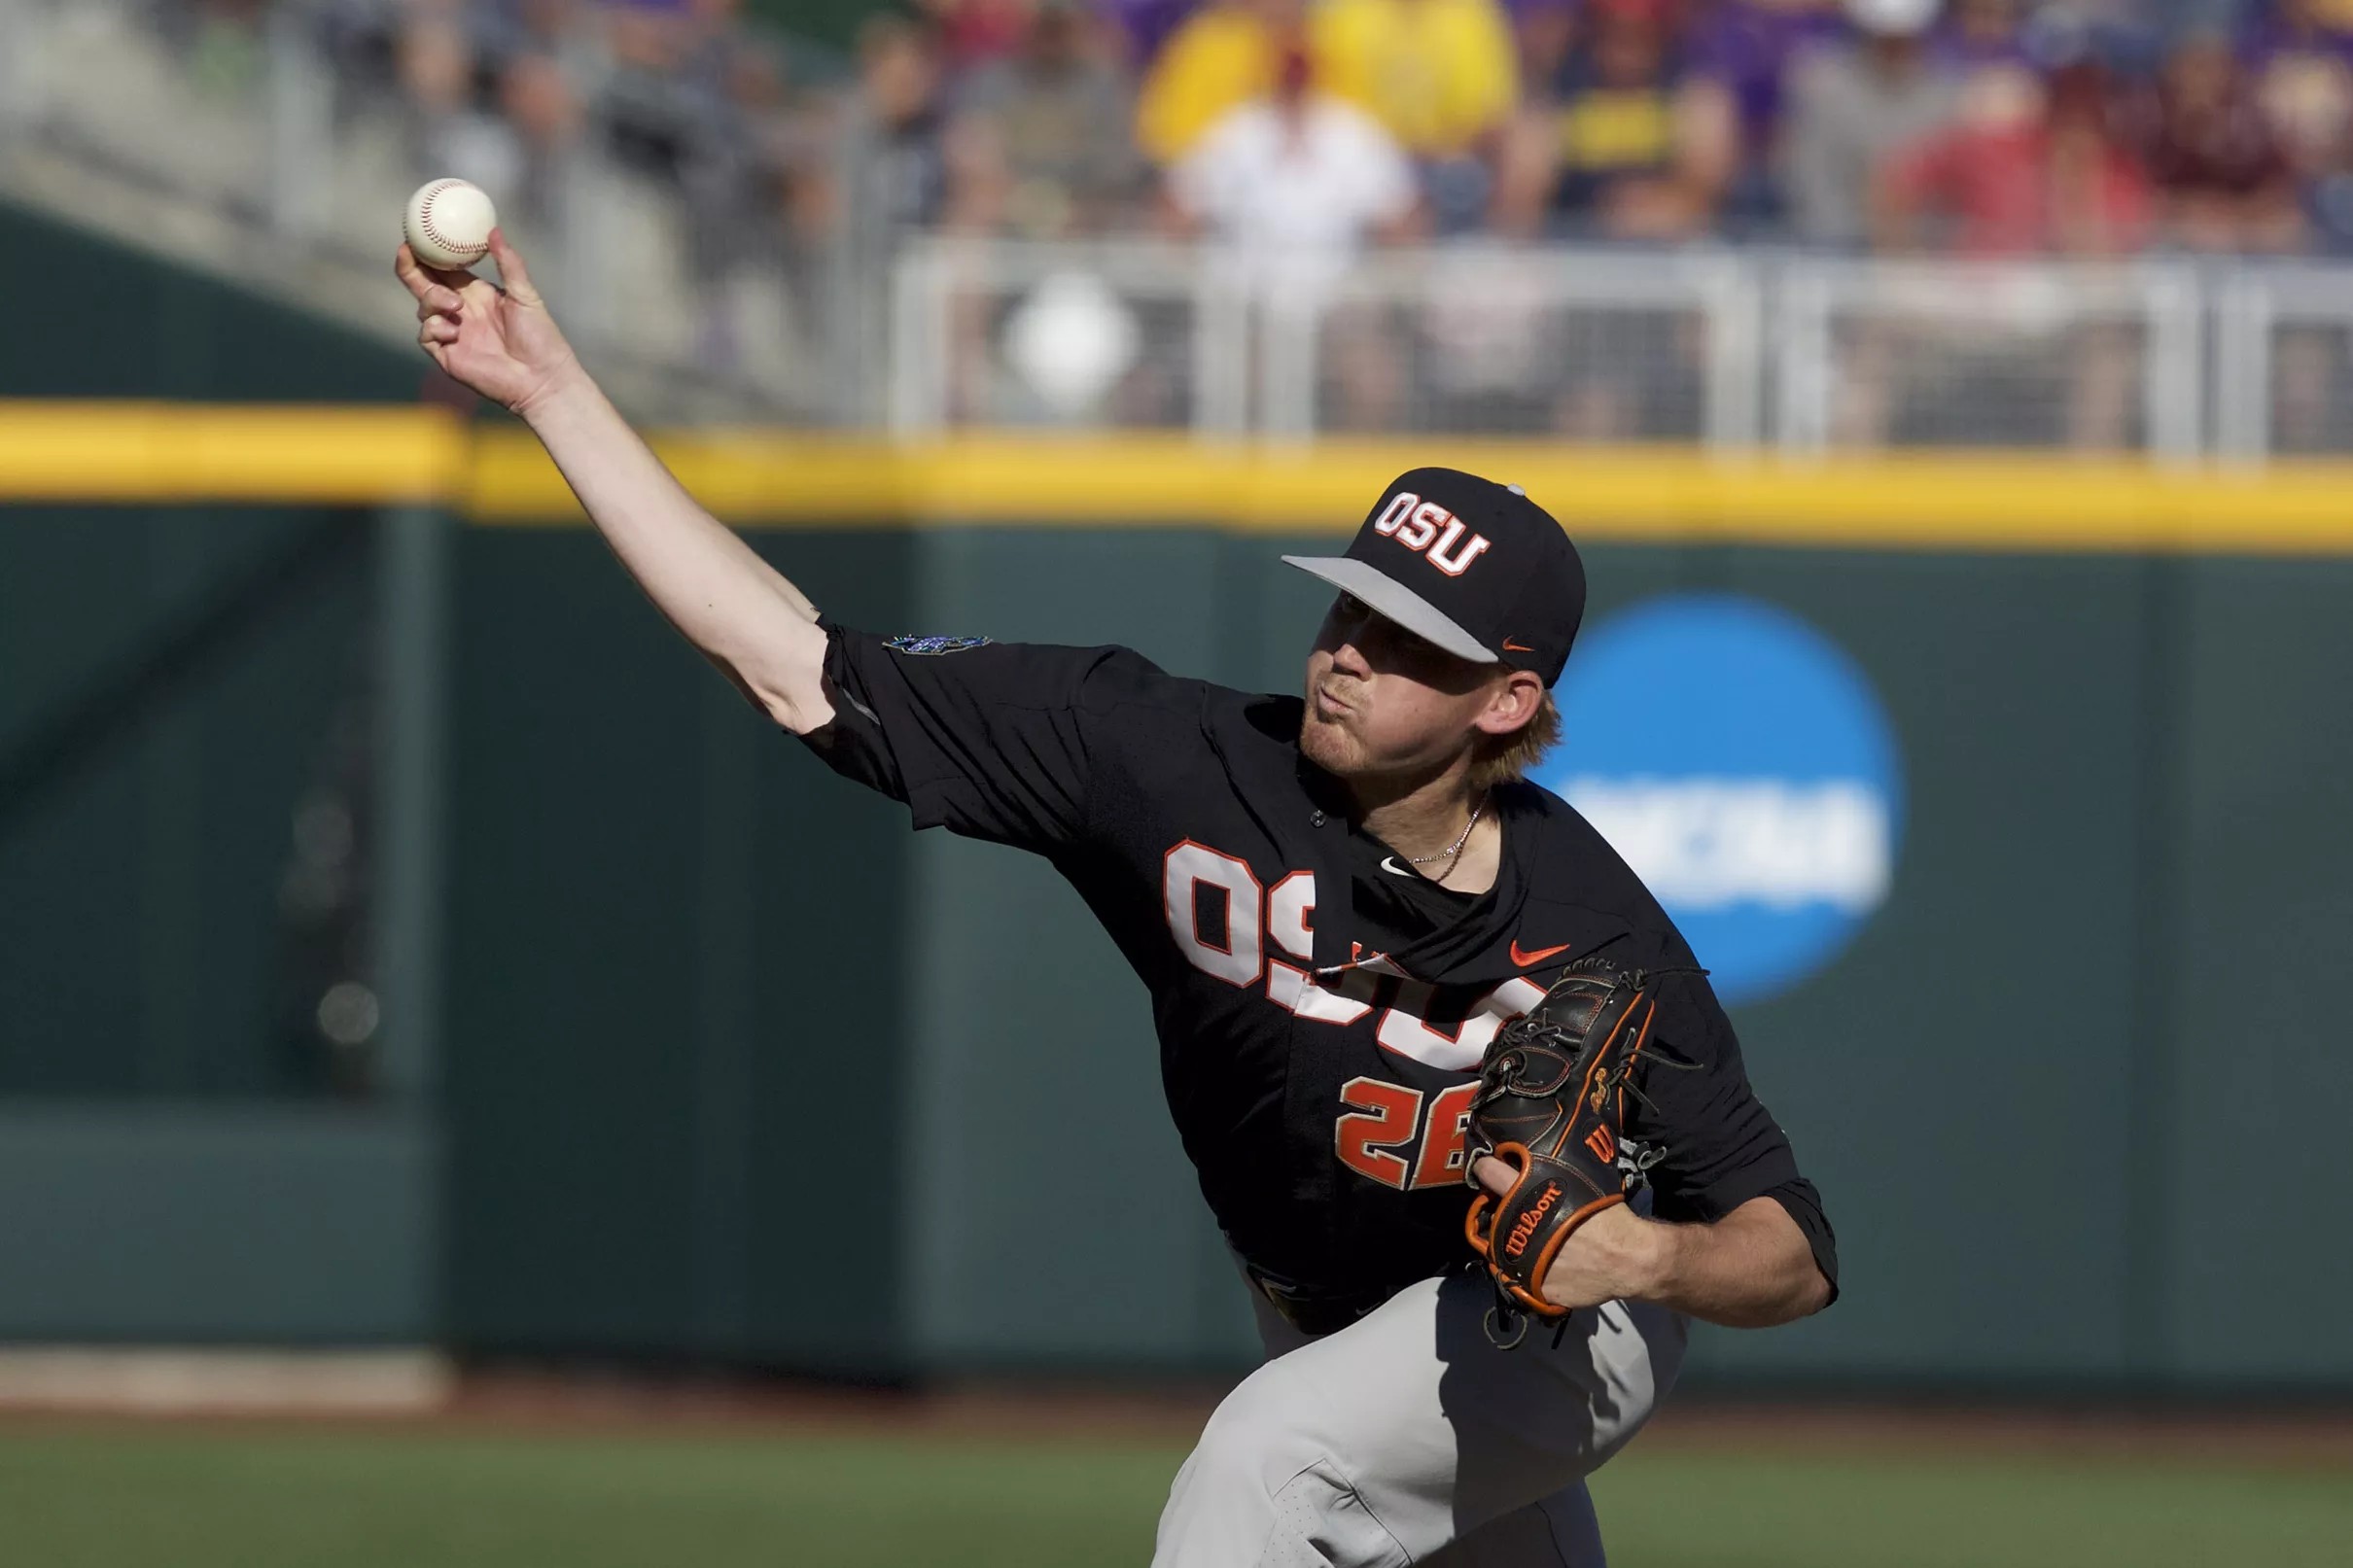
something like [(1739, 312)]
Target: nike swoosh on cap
[(1523, 958)]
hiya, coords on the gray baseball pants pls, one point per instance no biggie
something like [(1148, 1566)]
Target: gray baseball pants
[(1408, 1438)]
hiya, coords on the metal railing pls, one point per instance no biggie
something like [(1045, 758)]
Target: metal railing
[(2177, 359), (1118, 333), (1907, 353), (2283, 363), (1502, 340), (1485, 339)]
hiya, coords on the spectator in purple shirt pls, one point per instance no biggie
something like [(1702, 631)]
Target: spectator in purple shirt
[(2276, 27), (1142, 27), (1748, 46), (1982, 32), (2301, 63)]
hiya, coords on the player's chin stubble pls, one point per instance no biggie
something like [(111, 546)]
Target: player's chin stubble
[(1329, 746)]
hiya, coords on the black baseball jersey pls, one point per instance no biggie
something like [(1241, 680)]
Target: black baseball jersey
[(1321, 1009)]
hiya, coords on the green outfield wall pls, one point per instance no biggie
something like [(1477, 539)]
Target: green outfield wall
[(178, 1159)]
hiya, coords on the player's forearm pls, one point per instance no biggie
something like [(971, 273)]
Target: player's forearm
[(738, 610), (1750, 1269)]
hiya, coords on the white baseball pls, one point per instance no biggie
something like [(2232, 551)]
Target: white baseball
[(449, 224)]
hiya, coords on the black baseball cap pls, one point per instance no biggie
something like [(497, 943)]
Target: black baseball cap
[(1467, 564)]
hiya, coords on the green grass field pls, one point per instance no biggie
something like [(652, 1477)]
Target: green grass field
[(227, 1496)]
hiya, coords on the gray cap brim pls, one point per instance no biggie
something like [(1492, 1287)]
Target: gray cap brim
[(1394, 601)]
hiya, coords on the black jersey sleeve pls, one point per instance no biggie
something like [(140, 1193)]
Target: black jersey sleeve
[(1804, 1204), (1722, 1147), (990, 740)]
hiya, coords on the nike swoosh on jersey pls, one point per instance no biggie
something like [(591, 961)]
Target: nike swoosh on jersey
[(1524, 959), (1389, 863)]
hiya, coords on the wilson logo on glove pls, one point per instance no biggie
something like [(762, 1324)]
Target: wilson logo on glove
[(1551, 1104), (1532, 1219)]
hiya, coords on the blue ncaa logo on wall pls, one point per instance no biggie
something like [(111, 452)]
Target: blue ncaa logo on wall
[(1742, 763)]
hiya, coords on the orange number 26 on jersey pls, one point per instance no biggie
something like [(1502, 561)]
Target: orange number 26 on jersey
[(1387, 1118)]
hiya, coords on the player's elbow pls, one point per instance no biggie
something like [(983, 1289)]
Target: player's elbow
[(793, 699), (783, 676), (1796, 1285), (797, 706), (1769, 1300), (1774, 1275), (1812, 1294), (1800, 1286)]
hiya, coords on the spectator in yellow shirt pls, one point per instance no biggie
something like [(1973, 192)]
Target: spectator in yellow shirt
[(1440, 74), (1224, 55)]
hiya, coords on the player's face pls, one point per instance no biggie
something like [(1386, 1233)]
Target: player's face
[(1381, 700)]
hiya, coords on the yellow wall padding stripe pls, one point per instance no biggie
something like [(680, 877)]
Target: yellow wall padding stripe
[(1990, 502), (496, 474), (113, 452)]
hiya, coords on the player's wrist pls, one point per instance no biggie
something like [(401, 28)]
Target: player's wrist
[(1651, 1254), (1616, 1255), (562, 392)]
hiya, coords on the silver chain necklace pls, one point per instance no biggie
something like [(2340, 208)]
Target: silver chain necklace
[(1454, 848)]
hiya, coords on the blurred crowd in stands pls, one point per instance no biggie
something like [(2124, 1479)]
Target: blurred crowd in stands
[(1987, 126), (1300, 132), (1980, 127)]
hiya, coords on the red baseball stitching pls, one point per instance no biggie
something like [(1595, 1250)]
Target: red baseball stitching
[(425, 217)]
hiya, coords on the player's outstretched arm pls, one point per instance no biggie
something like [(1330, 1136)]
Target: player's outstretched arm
[(739, 610)]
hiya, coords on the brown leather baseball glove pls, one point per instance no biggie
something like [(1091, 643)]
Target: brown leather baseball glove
[(1552, 1104)]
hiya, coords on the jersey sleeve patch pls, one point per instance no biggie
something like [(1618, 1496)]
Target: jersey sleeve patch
[(936, 645)]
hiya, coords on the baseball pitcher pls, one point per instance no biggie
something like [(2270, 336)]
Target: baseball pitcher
[(1459, 1096)]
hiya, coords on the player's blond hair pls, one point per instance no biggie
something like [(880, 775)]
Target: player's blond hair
[(1506, 759)]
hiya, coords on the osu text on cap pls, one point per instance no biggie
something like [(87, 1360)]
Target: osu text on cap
[(1430, 529)]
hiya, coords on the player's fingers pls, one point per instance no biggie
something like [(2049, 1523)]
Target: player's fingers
[(436, 329), (440, 301), (1492, 1174), (410, 271), (516, 276), (422, 280)]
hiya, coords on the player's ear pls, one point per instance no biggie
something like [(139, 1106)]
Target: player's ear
[(1513, 703)]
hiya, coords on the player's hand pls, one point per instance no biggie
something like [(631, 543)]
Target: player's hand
[(500, 342), (1614, 1256)]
